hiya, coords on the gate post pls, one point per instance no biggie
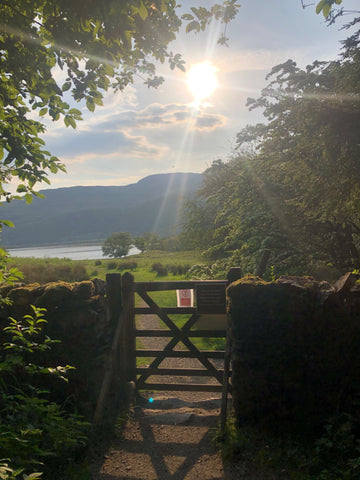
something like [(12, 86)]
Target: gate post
[(112, 375), (128, 339), (114, 297)]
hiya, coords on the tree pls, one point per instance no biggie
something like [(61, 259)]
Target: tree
[(98, 45), (117, 245), (331, 11), (147, 241), (293, 185)]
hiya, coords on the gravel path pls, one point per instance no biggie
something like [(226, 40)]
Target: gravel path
[(171, 438)]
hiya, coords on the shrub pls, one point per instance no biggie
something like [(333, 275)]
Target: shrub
[(97, 262), (111, 265), (337, 452), (33, 429), (160, 269), (51, 272), (179, 269), (79, 273), (127, 265)]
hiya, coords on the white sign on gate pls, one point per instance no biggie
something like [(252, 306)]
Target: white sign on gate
[(185, 298)]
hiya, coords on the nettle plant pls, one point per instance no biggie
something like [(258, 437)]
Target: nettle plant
[(35, 432)]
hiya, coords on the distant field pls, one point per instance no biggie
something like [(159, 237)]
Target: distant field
[(53, 269)]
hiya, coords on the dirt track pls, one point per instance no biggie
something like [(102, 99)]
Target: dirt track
[(171, 438)]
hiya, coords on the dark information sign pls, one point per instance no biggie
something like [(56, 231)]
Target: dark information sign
[(211, 298)]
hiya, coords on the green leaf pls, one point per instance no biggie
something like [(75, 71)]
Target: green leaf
[(28, 198), (187, 17), (43, 111), (8, 223), (326, 10), (21, 188), (72, 122), (319, 6), (143, 11), (193, 26), (90, 105), (39, 195), (33, 475), (66, 86)]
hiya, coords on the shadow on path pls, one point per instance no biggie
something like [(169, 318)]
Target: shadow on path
[(170, 439)]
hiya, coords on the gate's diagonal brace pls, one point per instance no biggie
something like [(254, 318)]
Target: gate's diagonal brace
[(179, 335), (156, 362), (202, 358), (158, 311)]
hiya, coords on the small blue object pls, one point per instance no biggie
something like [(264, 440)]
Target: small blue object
[(151, 400)]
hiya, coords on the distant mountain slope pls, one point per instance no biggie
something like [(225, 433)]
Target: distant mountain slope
[(89, 214)]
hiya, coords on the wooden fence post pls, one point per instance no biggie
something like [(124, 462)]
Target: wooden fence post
[(114, 297), (111, 375), (128, 338)]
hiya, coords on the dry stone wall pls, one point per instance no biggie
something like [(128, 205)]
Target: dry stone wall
[(77, 315), (296, 356)]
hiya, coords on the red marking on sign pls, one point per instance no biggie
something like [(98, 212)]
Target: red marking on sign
[(185, 298)]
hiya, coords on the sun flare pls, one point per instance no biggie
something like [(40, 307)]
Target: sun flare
[(201, 81)]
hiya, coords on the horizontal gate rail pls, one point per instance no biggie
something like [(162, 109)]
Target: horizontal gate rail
[(167, 310), (177, 335), (189, 333), (182, 387), (183, 372), (174, 285), (180, 353)]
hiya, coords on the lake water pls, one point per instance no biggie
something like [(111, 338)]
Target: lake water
[(74, 252)]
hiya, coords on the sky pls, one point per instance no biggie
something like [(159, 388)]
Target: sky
[(142, 131)]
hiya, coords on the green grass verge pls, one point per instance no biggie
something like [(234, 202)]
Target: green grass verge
[(43, 270)]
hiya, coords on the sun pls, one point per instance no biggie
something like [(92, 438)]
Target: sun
[(201, 81)]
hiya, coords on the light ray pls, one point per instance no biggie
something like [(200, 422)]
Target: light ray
[(187, 140)]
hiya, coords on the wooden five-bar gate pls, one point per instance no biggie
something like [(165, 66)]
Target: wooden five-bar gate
[(122, 364), (176, 336)]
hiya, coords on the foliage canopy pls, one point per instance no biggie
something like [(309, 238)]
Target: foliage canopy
[(117, 245), (52, 50), (293, 184)]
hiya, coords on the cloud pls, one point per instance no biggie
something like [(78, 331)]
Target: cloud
[(210, 122), (157, 115), (147, 133)]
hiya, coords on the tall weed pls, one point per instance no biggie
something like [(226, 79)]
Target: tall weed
[(35, 432)]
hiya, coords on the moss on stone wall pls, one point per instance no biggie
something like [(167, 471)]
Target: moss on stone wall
[(296, 356), (77, 316)]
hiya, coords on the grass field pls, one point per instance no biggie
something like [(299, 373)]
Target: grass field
[(53, 269)]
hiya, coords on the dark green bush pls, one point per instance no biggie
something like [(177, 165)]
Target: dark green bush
[(97, 262), (35, 432), (127, 265), (337, 452), (160, 269), (111, 265), (179, 269)]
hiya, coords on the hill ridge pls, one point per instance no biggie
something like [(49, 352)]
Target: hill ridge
[(70, 215)]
